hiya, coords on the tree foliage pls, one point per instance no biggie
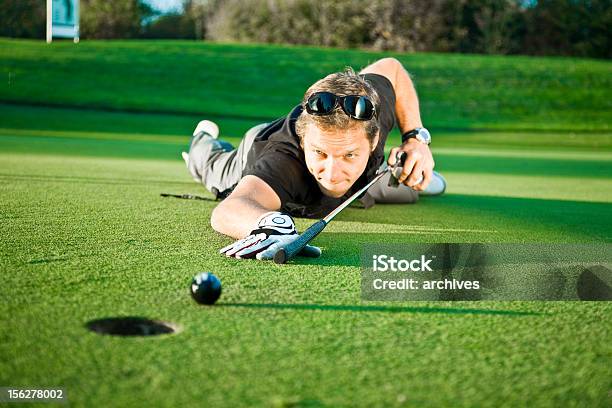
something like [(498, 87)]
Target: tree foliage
[(536, 27), (23, 18), (114, 19), (570, 27), (543, 27)]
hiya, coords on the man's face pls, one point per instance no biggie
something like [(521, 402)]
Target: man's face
[(336, 158)]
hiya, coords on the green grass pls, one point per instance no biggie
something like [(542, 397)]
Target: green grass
[(255, 81), (86, 236)]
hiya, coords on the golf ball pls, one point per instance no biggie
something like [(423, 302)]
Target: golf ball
[(205, 288)]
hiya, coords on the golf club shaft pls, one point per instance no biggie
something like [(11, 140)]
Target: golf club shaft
[(292, 249), (352, 198), (184, 196)]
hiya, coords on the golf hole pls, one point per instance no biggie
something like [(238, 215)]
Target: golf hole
[(131, 326)]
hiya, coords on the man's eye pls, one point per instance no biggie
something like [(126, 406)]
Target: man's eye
[(349, 155), (319, 153)]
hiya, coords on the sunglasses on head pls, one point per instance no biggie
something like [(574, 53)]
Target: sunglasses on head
[(358, 107)]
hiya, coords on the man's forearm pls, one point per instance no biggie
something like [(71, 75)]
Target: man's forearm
[(407, 102), (236, 217)]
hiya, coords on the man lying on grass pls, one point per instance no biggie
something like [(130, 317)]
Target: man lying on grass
[(307, 163)]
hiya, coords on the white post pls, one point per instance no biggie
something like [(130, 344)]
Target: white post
[(77, 19), (49, 21)]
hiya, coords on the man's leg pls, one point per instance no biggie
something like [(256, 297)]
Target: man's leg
[(381, 192), (215, 163)]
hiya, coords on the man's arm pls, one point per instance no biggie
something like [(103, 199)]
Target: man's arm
[(419, 162), (407, 103), (243, 216), (238, 213)]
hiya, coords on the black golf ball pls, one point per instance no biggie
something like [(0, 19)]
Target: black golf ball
[(205, 288)]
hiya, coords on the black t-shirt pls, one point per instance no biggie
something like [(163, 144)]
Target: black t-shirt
[(277, 158)]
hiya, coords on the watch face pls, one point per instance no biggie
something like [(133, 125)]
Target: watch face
[(424, 136)]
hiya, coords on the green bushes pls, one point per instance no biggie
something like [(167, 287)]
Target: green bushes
[(533, 27)]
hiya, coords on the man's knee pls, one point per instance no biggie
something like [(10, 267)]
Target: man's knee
[(381, 192), (248, 139), (199, 154), (401, 195)]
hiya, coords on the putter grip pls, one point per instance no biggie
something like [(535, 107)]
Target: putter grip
[(291, 250)]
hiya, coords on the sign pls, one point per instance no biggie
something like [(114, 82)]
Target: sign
[(63, 19)]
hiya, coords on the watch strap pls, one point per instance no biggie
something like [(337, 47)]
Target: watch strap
[(411, 134)]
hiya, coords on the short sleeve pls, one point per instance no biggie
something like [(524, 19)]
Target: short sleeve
[(386, 108), (278, 167)]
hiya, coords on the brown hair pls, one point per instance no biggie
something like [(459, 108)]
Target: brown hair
[(342, 83)]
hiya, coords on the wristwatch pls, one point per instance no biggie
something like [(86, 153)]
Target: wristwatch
[(420, 134)]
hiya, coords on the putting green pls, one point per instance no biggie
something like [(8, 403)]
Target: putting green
[(89, 237), (86, 235)]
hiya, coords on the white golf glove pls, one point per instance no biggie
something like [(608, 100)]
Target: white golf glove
[(274, 231)]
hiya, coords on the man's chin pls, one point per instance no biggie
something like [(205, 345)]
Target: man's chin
[(332, 193)]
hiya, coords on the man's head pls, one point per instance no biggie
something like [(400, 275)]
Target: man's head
[(336, 146)]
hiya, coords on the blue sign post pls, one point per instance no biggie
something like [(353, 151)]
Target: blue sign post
[(63, 19)]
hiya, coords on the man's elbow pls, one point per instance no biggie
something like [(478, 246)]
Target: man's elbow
[(390, 62), (388, 67), (216, 218)]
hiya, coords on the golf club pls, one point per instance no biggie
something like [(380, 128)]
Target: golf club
[(185, 196)]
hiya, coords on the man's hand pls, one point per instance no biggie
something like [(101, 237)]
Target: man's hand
[(274, 230), (418, 167)]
